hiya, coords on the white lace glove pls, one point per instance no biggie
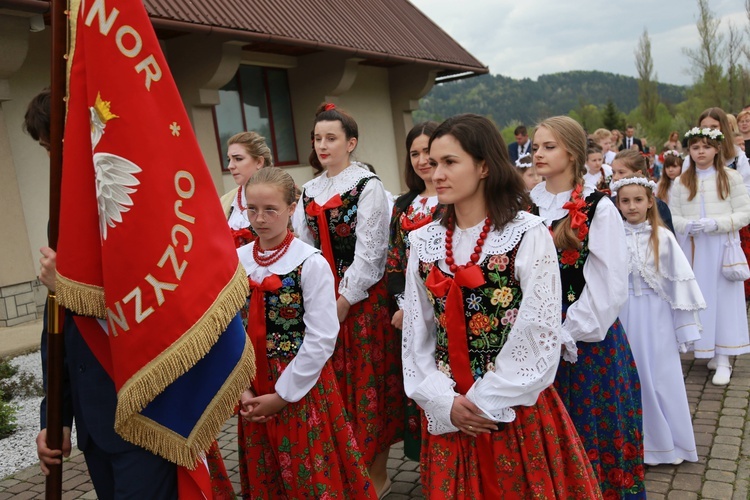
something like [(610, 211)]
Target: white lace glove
[(709, 225), (694, 227), (684, 347)]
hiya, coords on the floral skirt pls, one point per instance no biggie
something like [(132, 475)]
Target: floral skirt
[(745, 243), (538, 455), (308, 450), (602, 393), (367, 363), (220, 485)]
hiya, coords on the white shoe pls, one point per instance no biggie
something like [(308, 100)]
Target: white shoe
[(677, 461), (722, 375), (711, 364)]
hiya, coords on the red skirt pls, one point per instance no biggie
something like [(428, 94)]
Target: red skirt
[(221, 486), (745, 243), (308, 450), (367, 363), (538, 455)]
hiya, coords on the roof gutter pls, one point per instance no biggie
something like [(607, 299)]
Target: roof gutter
[(251, 36)]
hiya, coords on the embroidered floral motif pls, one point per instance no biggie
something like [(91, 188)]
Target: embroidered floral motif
[(284, 310)]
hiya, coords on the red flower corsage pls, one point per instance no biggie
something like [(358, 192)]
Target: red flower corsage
[(570, 257)]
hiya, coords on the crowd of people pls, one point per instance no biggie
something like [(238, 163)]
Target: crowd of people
[(516, 318)]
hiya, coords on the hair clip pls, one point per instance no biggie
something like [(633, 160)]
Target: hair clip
[(329, 106)]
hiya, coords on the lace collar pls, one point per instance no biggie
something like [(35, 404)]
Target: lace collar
[(341, 183), (637, 228), (298, 252), (550, 205), (429, 241)]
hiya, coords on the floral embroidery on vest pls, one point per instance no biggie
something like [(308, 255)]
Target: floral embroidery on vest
[(285, 328), (342, 223), (490, 312)]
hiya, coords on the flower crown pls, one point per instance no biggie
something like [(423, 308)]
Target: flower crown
[(641, 181), (672, 152), (714, 134), (521, 157)]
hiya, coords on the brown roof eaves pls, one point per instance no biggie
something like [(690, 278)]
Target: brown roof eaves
[(392, 31)]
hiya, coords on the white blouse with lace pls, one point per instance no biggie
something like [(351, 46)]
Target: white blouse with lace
[(321, 322), (373, 218), (605, 270), (236, 218), (527, 362)]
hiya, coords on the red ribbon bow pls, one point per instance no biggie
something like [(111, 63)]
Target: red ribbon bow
[(256, 330), (318, 211), (577, 217), (329, 106), (242, 237), (441, 285)]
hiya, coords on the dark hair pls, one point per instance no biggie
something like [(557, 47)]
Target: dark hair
[(633, 161), (504, 190), (520, 130), (629, 126), (328, 112), (593, 148), (413, 181), (36, 122)]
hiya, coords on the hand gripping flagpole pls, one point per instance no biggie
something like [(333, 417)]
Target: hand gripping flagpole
[(55, 312)]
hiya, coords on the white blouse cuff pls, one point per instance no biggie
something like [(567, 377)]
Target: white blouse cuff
[(435, 395), (494, 407)]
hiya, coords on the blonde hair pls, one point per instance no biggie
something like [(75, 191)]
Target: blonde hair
[(726, 148), (600, 134), (275, 177), (652, 216), (689, 177), (254, 144), (572, 139)]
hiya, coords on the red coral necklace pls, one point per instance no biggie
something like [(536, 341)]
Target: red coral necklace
[(477, 249), (239, 199), (275, 253)]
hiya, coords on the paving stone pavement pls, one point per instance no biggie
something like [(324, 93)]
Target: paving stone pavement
[(722, 433)]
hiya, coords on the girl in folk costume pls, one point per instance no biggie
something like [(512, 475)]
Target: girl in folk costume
[(344, 212), (412, 210), (482, 333), (525, 167), (294, 440), (597, 380), (709, 204), (247, 153), (661, 319), (670, 172)]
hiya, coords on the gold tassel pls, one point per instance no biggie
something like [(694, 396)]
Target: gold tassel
[(152, 379), (83, 299)]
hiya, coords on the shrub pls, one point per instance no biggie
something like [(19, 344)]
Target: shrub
[(8, 423)]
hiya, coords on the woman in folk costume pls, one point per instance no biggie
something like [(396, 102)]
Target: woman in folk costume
[(412, 210), (294, 440), (247, 153), (482, 333), (597, 379), (709, 204), (661, 318), (344, 212)]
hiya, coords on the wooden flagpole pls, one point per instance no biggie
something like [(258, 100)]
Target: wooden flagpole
[(55, 313)]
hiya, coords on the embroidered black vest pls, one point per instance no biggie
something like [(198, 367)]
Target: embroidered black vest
[(342, 222), (571, 270), (490, 312), (285, 309)]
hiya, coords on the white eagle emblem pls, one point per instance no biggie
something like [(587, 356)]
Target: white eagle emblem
[(115, 181), (115, 175)]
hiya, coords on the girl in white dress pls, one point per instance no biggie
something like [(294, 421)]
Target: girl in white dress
[(670, 172), (709, 205), (661, 319)]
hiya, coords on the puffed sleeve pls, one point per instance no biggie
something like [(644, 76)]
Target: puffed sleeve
[(321, 331), (606, 275), (527, 363), (299, 223), (372, 243), (740, 201), (675, 206), (423, 382)]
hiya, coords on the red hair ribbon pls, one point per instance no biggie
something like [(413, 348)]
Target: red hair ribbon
[(329, 106)]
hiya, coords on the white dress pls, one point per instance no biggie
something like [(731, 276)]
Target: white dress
[(527, 362), (724, 320), (595, 179), (661, 312)]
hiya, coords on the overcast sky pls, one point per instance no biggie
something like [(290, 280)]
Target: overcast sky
[(528, 38)]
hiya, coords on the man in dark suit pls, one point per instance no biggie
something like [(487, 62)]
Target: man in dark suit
[(629, 140), (118, 469), (522, 144)]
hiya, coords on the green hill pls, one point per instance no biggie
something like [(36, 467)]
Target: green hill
[(505, 99)]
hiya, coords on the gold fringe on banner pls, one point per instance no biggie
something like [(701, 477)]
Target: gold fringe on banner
[(153, 378), (81, 298)]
